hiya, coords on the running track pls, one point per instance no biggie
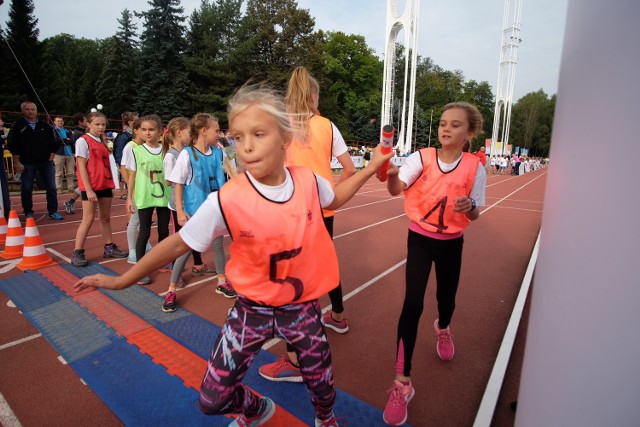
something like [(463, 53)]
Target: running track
[(370, 237)]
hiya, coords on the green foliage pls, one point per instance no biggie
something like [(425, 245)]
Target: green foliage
[(162, 82), (117, 81), (22, 36), (531, 123)]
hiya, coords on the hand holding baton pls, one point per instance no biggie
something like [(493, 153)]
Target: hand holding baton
[(386, 146)]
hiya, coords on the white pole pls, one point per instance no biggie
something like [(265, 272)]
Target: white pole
[(430, 124), (582, 355)]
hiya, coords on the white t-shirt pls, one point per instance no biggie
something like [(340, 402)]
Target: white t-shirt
[(338, 145), (131, 161), (82, 148), (207, 223), (127, 154), (412, 169), (169, 162), (182, 172)]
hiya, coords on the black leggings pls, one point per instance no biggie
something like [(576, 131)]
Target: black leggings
[(422, 251), (335, 295), (145, 214)]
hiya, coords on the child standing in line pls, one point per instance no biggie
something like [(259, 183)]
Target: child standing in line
[(179, 130), (198, 172), (147, 187), (96, 185), (443, 189), (282, 260), (134, 222)]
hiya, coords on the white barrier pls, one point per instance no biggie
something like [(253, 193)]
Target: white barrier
[(358, 161)]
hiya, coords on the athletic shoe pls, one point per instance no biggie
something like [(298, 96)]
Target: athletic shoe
[(170, 304), (111, 250), (331, 422), (202, 270), (267, 409), (445, 342), (131, 259), (395, 411), (225, 289), (68, 206), (144, 281), (340, 326), (281, 370), (29, 215), (55, 216), (78, 259)]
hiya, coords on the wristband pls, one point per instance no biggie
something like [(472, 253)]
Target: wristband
[(473, 204)]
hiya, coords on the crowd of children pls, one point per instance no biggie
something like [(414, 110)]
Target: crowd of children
[(282, 260)]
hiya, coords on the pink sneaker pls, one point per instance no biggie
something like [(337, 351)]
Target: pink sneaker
[(395, 411), (340, 326), (445, 342), (281, 370)]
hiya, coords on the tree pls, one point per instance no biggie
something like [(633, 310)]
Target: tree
[(351, 87), (22, 41), (73, 68), (162, 80), (117, 82), (531, 122)]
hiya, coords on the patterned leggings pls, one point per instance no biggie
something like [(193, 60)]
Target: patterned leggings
[(248, 327)]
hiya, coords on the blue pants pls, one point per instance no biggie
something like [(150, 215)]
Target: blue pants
[(46, 170)]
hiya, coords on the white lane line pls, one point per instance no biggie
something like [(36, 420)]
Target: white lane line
[(507, 196), (368, 226), (20, 341), (348, 296), (7, 416), (491, 393), (59, 255)]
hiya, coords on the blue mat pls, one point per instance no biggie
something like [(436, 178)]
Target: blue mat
[(139, 391)]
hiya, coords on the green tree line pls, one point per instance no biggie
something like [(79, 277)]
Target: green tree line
[(177, 64)]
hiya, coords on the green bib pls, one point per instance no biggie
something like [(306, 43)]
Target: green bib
[(150, 190)]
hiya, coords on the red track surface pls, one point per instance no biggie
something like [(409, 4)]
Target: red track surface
[(370, 236)]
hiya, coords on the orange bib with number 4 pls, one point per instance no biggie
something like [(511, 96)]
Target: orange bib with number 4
[(429, 200)]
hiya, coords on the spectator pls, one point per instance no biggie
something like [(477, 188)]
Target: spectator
[(482, 155), (33, 145), (63, 160)]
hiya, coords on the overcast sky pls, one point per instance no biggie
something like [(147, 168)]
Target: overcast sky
[(457, 34)]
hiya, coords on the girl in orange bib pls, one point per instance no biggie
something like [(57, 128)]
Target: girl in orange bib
[(443, 190), (282, 260)]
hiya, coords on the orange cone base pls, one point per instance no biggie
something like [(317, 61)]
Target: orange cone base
[(32, 264), (12, 252)]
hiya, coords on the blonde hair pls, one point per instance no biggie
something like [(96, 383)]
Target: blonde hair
[(198, 122), (174, 126), (264, 98), (473, 115), (299, 99)]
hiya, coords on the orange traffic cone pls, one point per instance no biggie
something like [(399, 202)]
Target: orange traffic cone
[(34, 256), (15, 238), (3, 228)]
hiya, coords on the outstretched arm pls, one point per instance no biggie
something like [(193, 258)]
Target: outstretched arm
[(166, 251), (345, 190)]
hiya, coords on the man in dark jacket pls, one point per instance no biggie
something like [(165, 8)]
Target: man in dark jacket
[(33, 145)]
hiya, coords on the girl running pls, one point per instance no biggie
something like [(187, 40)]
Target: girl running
[(96, 185), (147, 187), (443, 189), (278, 293)]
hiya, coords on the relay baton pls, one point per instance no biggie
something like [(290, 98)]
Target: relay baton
[(386, 146)]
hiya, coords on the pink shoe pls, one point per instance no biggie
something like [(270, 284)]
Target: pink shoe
[(395, 411), (340, 326), (281, 370), (445, 342)]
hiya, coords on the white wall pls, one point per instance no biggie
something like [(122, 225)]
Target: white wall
[(582, 357)]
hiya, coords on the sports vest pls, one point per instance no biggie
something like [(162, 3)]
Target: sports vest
[(429, 200), (207, 177), (315, 152), (150, 190), (281, 252), (172, 195), (98, 166)]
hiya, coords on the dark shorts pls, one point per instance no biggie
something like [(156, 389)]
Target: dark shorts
[(107, 193)]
